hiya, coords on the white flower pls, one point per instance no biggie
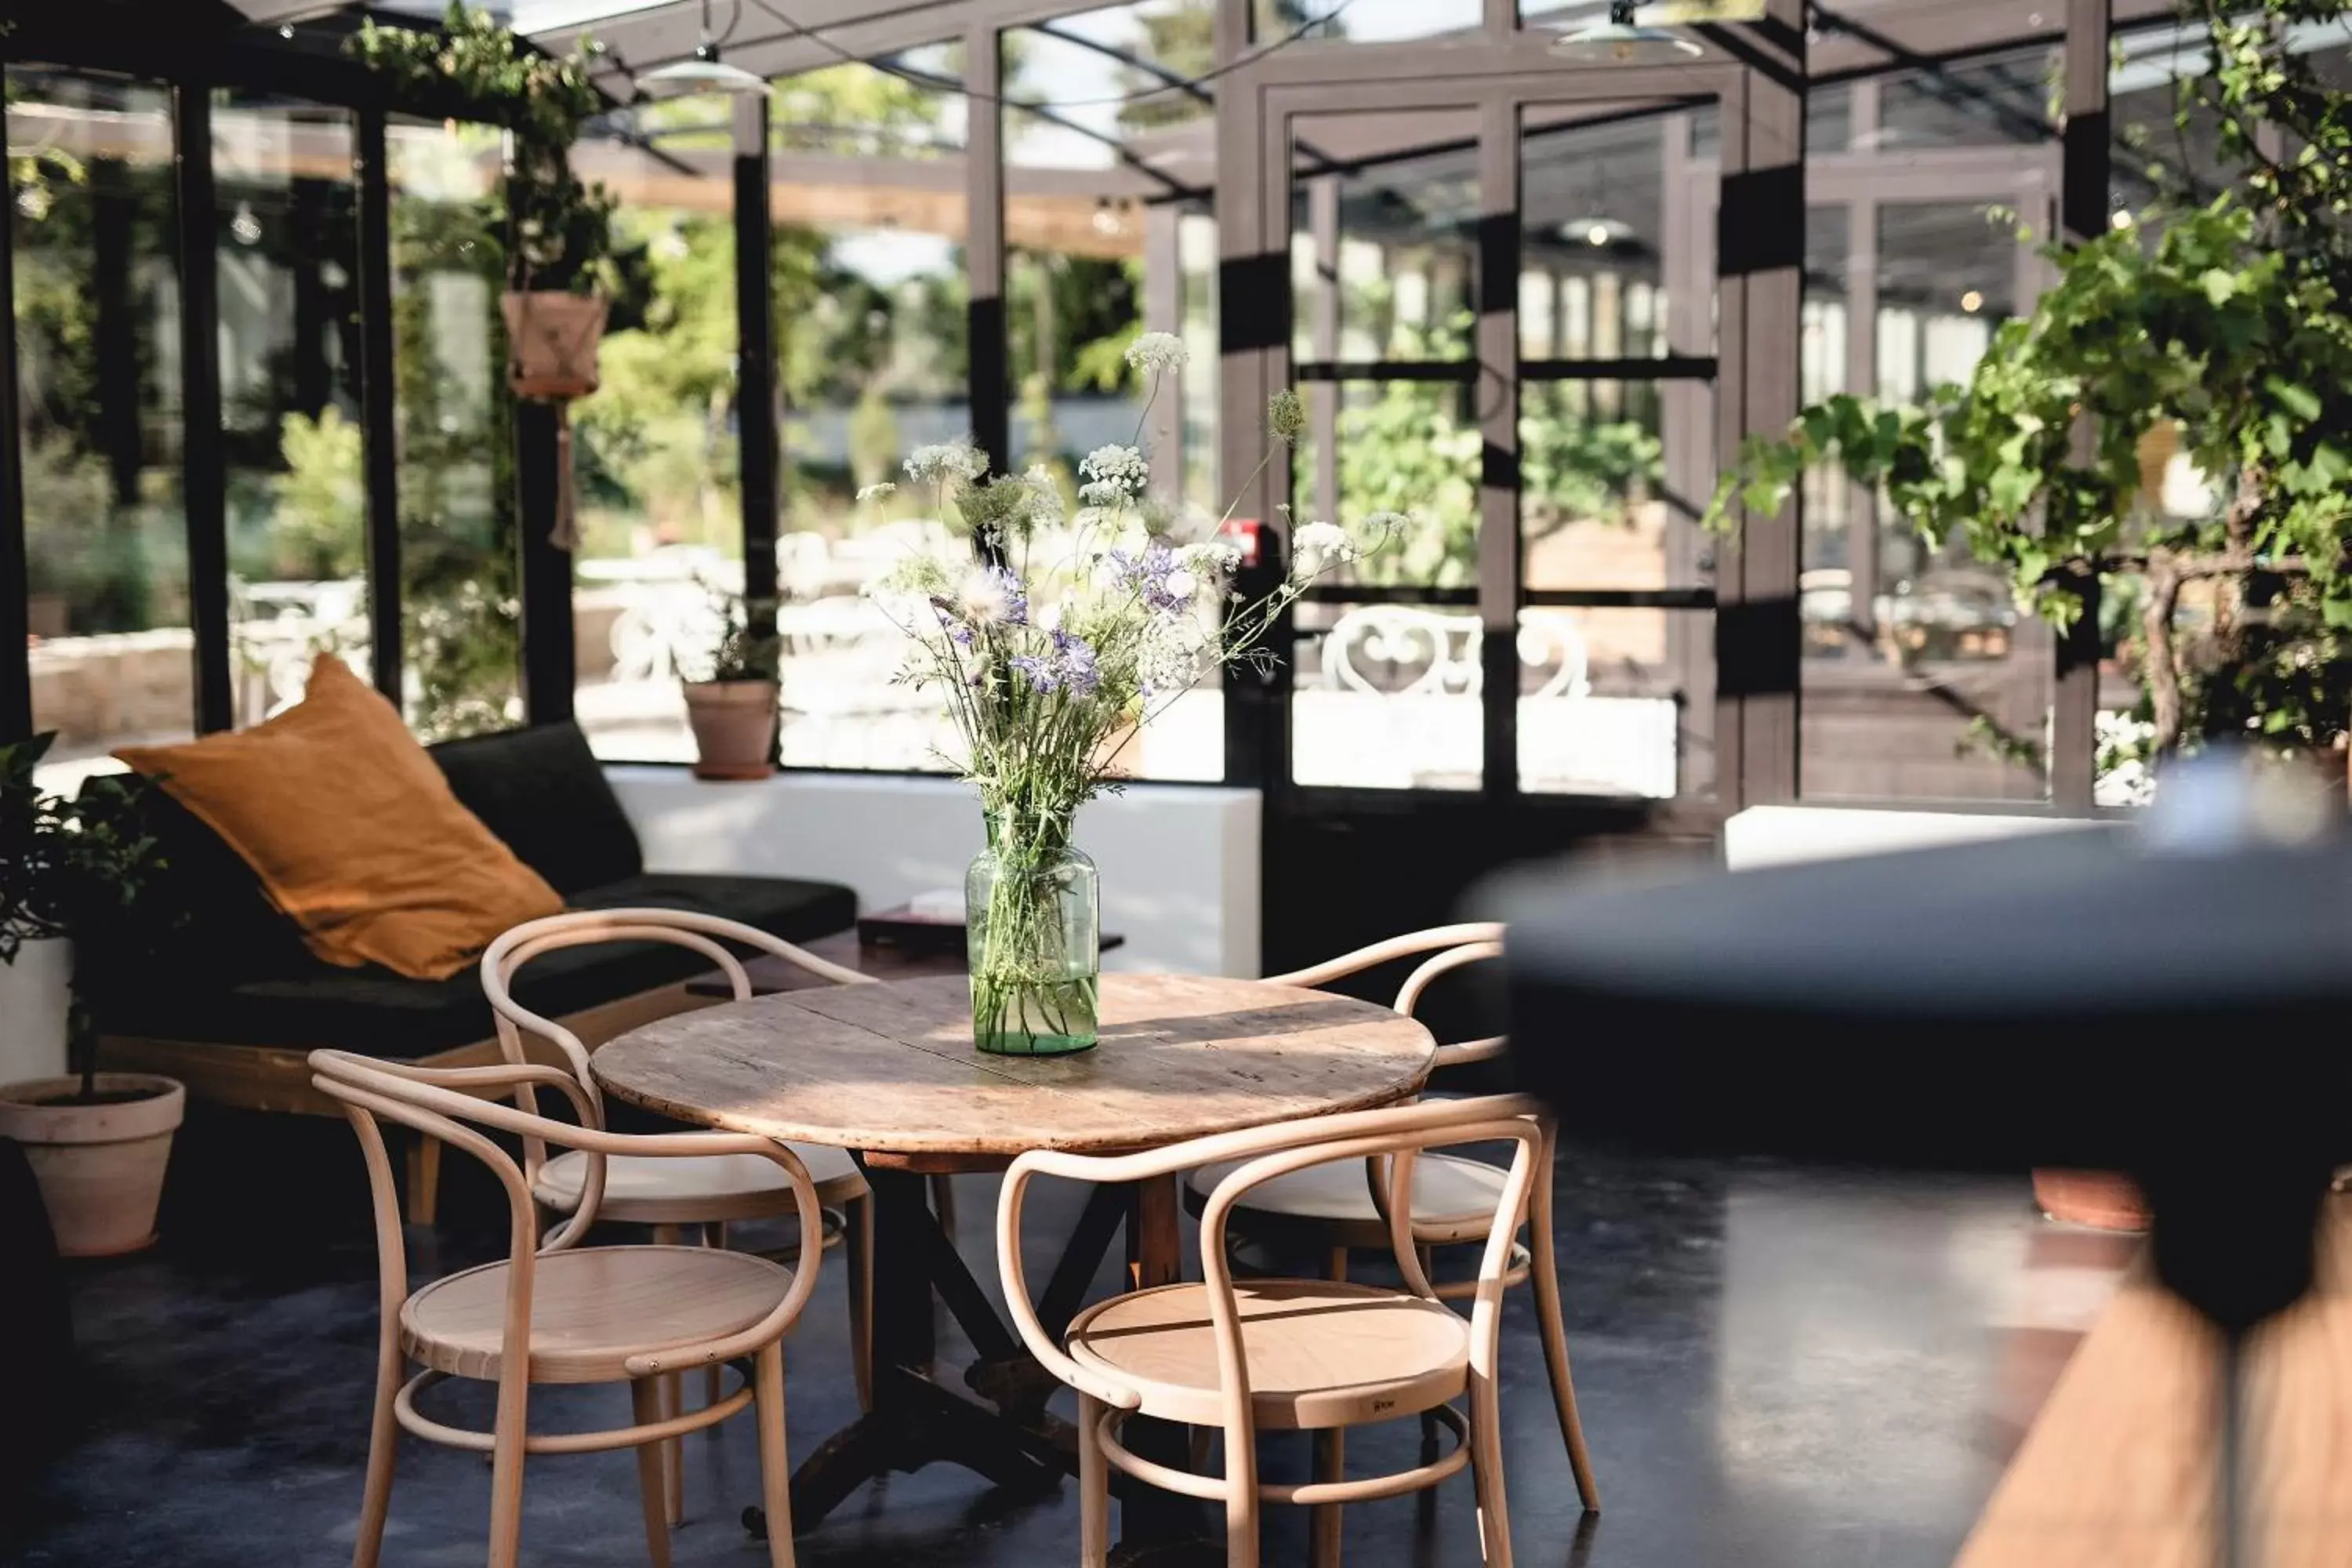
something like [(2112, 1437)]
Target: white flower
[(1170, 658), (919, 576), (983, 597), (947, 460), (1045, 498), (1211, 559), (1101, 495), (1318, 546), (1383, 524), (1155, 352), (882, 491), (1182, 585), (1121, 466)]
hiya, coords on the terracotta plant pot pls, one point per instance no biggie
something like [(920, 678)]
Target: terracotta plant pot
[(101, 1166), (734, 724), (551, 342), (2100, 1200)]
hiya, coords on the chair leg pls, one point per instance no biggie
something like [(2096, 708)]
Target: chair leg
[(653, 1484), (858, 1252), (714, 1234), (1241, 1497), (1544, 1271), (424, 1165), (672, 1390), (383, 1437), (1094, 1487), (775, 1465), (506, 1470), (1487, 1471), (1330, 1465), (1330, 1461)]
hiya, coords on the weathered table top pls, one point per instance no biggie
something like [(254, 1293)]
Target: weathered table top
[(890, 1069), (2119, 1469)]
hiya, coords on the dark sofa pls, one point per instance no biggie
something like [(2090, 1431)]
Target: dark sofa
[(216, 989)]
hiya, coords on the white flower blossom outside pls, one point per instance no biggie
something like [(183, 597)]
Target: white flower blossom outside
[(1157, 354)]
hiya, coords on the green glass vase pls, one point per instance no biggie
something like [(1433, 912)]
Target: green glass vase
[(1033, 922)]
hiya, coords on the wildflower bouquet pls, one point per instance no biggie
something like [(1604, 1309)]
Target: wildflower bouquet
[(1052, 642)]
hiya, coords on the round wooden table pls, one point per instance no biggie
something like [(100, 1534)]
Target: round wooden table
[(889, 1072)]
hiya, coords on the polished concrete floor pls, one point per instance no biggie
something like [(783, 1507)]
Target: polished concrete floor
[(1780, 1367)]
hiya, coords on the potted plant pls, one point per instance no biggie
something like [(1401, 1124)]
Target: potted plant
[(2210, 327), (1051, 638), (732, 709), (559, 229), (98, 1142)]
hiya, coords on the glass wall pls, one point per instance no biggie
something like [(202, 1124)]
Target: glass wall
[(460, 620), (1923, 679), (1384, 270), (92, 216), (1109, 234), (657, 448), (286, 248), (872, 290)]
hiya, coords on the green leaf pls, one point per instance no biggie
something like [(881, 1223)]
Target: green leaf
[(2300, 401)]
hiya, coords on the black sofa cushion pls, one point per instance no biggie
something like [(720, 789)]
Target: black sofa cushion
[(203, 916), (374, 1011), (542, 792)]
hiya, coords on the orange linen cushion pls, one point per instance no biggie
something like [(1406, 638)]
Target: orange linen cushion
[(353, 831)]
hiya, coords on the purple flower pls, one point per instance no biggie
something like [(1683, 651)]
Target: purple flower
[(1071, 666), (1151, 574), (1076, 657)]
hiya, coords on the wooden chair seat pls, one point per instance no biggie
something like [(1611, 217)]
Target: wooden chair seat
[(717, 1187), (591, 1310), (1454, 1199), (1320, 1352)]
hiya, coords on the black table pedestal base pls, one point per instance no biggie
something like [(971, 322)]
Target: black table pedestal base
[(1006, 1436)]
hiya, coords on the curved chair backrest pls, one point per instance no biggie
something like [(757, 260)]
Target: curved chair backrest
[(705, 934), (447, 1104), (1452, 946), (1398, 1133)]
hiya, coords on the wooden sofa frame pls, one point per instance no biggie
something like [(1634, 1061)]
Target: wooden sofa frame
[(278, 1078)]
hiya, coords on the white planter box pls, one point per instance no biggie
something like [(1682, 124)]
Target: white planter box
[(1785, 835), (33, 993), (1179, 862)]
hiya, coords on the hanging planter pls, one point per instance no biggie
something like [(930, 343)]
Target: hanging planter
[(552, 339)]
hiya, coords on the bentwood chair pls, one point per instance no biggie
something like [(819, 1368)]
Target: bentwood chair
[(1335, 1210), (552, 1312), (680, 1198), (1318, 1355)]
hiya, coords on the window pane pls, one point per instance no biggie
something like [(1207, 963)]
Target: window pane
[(1110, 235), (97, 336), (1384, 237), (657, 451), (1597, 507), (1831, 503), (459, 617), (1079, 238), (1386, 697), (287, 250), (872, 289), (2004, 101), (1365, 21), (1927, 681), (1408, 446), (1616, 701), (1593, 249)]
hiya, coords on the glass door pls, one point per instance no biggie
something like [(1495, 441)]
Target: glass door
[(1500, 309)]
